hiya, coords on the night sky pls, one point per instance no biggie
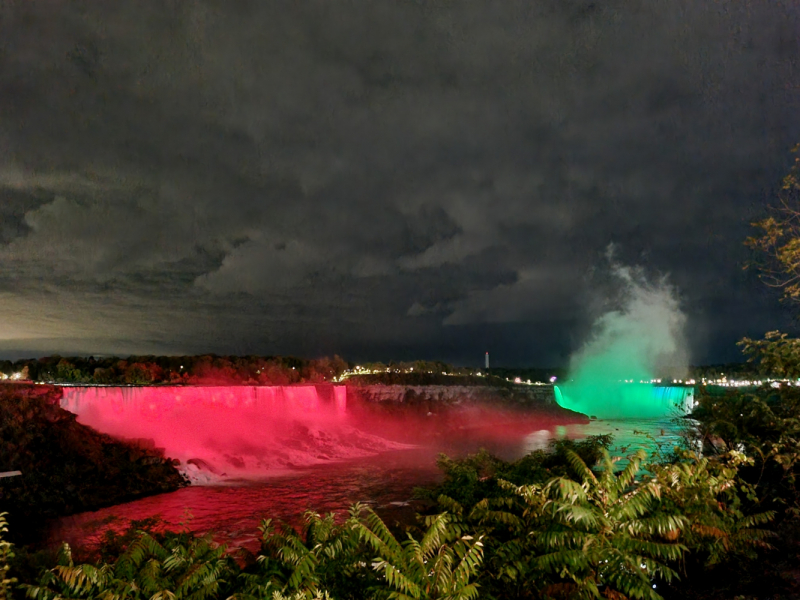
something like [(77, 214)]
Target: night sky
[(385, 179)]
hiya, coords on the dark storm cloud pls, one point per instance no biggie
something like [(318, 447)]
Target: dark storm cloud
[(380, 177)]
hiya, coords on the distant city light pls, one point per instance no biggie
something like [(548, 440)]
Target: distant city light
[(721, 381)]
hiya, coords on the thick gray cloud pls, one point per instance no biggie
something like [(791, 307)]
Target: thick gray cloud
[(381, 179)]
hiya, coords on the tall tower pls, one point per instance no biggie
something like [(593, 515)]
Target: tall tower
[(487, 361)]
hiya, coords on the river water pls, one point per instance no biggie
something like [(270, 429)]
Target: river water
[(231, 511)]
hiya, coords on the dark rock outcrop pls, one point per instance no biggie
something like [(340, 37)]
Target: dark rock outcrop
[(534, 398), (67, 467)]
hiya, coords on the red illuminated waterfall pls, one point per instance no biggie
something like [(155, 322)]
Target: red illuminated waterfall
[(228, 431), (328, 399)]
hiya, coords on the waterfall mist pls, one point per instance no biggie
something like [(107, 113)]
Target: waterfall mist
[(639, 337)]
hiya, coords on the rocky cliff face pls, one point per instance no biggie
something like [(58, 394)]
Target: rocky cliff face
[(419, 413), (533, 398)]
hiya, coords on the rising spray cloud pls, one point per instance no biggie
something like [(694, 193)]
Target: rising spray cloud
[(641, 338)]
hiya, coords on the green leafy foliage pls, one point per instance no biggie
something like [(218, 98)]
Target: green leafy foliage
[(438, 566), (324, 556), (203, 369), (600, 527), (764, 424), (6, 554), (707, 494), (776, 244), (470, 479), (776, 355), (179, 567), (115, 542), (327, 559), (600, 533)]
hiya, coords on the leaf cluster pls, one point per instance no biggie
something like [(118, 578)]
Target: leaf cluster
[(600, 527), (776, 245), (763, 424), (180, 567), (6, 554), (776, 355), (324, 555), (470, 479), (438, 566)]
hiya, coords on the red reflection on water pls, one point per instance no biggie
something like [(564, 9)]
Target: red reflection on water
[(232, 513)]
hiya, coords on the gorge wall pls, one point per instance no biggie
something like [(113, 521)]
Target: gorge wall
[(540, 397), (458, 417)]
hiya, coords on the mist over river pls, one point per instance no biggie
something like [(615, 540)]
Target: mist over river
[(232, 510)]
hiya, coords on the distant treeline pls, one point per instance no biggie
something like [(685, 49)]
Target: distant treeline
[(198, 370), (421, 378), (430, 372), (281, 370), (430, 367)]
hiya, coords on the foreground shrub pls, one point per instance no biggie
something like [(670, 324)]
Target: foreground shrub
[(764, 424), (595, 535), (324, 556), (180, 567), (708, 494), (609, 531), (6, 553), (470, 479), (439, 566)]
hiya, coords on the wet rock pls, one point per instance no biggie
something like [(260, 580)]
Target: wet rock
[(202, 465)]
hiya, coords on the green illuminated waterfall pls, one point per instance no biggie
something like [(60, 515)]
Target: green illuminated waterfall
[(610, 376), (615, 384), (616, 400)]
